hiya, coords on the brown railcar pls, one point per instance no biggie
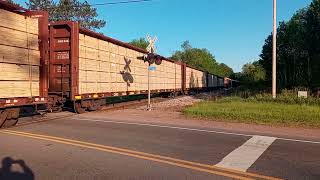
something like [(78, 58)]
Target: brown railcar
[(23, 63), (51, 67), (87, 67)]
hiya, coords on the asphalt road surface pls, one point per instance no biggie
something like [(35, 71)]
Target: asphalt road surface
[(78, 147)]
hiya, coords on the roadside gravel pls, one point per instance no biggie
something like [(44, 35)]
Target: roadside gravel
[(174, 104)]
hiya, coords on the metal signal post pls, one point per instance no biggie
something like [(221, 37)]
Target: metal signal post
[(149, 93), (151, 49)]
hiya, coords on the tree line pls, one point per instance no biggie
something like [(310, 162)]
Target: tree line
[(195, 57), (201, 59), (68, 10), (298, 57)]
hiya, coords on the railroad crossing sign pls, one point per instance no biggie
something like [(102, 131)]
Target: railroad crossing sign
[(151, 47)]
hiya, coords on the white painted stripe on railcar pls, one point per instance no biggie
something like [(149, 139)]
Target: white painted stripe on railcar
[(244, 156)]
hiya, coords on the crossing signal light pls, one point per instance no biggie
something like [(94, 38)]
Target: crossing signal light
[(158, 59), (152, 58)]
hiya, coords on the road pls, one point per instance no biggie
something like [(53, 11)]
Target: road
[(98, 147)]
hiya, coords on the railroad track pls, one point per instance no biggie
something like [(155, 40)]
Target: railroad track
[(40, 120), (108, 107), (132, 104)]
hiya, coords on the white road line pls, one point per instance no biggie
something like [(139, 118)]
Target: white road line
[(190, 129), (163, 126), (244, 156)]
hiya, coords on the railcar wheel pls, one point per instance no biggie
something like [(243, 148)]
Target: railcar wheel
[(99, 107), (9, 117), (78, 108), (9, 123), (95, 105), (3, 117)]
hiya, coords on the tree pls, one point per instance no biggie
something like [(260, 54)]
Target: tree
[(253, 72), (69, 10), (13, 2), (201, 59), (298, 58), (312, 23), (252, 76), (228, 71), (140, 43), (186, 45), (47, 5)]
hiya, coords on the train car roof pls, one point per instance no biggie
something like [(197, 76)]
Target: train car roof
[(12, 7)]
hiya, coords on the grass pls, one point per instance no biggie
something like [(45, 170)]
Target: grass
[(257, 112)]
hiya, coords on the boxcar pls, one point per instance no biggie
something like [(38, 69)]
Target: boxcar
[(220, 82), (23, 75), (212, 81), (66, 65), (230, 83), (87, 67), (195, 79)]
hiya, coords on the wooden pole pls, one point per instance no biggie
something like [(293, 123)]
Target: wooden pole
[(274, 51)]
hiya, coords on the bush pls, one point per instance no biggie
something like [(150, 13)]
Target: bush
[(285, 97)]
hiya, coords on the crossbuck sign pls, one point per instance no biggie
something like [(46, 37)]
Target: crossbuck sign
[(151, 47)]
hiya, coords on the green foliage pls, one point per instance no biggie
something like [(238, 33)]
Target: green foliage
[(201, 59), (235, 109), (253, 72), (286, 97), (252, 77), (226, 70), (13, 2), (298, 59), (141, 43), (69, 10)]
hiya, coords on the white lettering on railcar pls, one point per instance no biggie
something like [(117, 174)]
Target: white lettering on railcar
[(62, 55), (63, 41)]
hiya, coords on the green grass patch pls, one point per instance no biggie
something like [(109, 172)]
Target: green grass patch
[(257, 112)]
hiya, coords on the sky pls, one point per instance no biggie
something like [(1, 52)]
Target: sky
[(232, 30)]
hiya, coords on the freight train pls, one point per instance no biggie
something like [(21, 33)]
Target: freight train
[(45, 66)]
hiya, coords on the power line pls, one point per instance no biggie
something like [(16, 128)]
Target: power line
[(120, 2), (107, 3)]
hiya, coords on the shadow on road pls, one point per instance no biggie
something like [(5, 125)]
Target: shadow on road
[(6, 172)]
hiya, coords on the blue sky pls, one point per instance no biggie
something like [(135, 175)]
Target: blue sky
[(233, 30)]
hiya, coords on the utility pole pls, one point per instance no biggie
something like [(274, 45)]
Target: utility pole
[(274, 51)]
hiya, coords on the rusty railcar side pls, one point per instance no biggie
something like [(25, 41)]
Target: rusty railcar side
[(10, 106)]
